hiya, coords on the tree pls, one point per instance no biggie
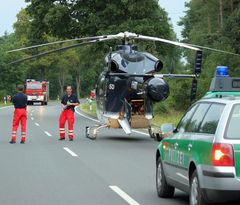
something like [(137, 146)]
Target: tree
[(221, 12), (208, 16), (10, 76)]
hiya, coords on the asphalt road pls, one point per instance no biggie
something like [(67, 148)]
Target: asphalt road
[(113, 170)]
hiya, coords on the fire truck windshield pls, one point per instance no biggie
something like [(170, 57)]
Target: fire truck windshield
[(34, 86)]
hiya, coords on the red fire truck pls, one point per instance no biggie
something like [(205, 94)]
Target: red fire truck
[(37, 91)]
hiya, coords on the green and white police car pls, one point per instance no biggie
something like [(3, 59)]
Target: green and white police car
[(202, 155)]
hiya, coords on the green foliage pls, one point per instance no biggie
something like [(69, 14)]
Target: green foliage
[(203, 26), (160, 108), (10, 76)]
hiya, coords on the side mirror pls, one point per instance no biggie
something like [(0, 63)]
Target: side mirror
[(166, 130)]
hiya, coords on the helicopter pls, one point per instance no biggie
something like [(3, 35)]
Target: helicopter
[(130, 82)]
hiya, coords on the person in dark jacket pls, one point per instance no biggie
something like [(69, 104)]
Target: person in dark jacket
[(69, 101), (20, 114)]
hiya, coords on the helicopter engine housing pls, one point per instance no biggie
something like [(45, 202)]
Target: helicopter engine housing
[(157, 89)]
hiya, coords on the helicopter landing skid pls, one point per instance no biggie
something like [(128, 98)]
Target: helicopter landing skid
[(91, 132)]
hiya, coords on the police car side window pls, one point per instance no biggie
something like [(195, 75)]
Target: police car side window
[(210, 121), (186, 118), (194, 124), (232, 131)]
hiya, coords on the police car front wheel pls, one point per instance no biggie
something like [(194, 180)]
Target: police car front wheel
[(163, 189)]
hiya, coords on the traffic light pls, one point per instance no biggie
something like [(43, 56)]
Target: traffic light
[(194, 90), (198, 63)]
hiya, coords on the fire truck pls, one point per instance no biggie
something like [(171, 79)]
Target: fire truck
[(37, 91)]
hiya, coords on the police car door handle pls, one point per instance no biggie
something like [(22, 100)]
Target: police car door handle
[(189, 146)]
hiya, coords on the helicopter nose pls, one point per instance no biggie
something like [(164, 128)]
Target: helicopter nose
[(157, 89)]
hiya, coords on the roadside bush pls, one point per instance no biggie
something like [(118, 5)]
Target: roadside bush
[(160, 108), (3, 93)]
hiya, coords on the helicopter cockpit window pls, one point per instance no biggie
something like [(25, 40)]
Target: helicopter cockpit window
[(133, 57)]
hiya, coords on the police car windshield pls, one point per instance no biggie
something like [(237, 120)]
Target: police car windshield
[(34, 86), (233, 128)]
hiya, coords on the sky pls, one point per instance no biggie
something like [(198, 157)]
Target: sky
[(10, 8), (175, 9)]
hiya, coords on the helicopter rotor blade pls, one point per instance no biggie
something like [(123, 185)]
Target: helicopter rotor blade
[(120, 35), (58, 50), (149, 38), (214, 49), (127, 35), (89, 40), (52, 43), (185, 45)]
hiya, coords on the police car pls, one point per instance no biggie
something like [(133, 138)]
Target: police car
[(202, 155)]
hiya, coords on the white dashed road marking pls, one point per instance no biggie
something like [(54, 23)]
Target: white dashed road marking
[(37, 124), (32, 118), (124, 195), (70, 152), (48, 134)]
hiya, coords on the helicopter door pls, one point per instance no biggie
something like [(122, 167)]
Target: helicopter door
[(117, 91)]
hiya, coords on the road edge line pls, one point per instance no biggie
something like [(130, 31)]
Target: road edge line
[(85, 116)]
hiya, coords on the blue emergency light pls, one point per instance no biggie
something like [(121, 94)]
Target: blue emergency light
[(222, 71)]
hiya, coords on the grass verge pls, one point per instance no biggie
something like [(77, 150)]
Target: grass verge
[(85, 107), (4, 105), (171, 117)]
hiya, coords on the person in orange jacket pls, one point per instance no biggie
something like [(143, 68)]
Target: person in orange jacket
[(20, 114), (69, 101)]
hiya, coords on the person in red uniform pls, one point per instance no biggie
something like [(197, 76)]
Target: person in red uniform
[(69, 101), (20, 114)]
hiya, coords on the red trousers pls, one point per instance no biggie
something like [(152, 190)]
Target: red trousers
[(20, 116), (66, 115)]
